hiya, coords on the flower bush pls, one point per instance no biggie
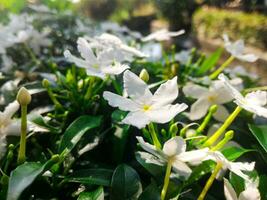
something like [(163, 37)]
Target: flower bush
[(115, 116)]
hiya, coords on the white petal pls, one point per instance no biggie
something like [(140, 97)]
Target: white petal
[(258, 110), (13, 128), (137, 119), (121, 102), (199, 109), (247, 57), (174, 146), (79, 62), (194, 157), (136, 88), (229, 191), (10, 110), (181, 168), (151, 159), (85, 50), (165, 114), (250, 194), (258, 98), (116, 69), (221, 92), (238, 167), (150, 148), (166, 93), (195, 91), (221, 114)]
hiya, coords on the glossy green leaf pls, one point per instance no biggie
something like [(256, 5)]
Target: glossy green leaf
[(39, 121), (24, 175), (91, 176), (76, 130), (209, 62), (262, 186), (98, 194), (260, 133), (234, 152), (125, 183), (237, 182), (151, 192)]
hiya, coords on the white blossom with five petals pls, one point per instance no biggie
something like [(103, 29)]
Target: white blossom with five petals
[(174, 151), (143, 106), (236, 49), (252, 102)]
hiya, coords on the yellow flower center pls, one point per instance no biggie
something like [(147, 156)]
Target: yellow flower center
[(212, 98), (146, 107)]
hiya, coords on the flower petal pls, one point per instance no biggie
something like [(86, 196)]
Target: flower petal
[(136, 88), (121, 102), (238, 167), (195, 91), (174, 146), (229, 191), (199, 109), (247, 57), (137, 119), (194, 157), (181, 168), (221, 114), (165, 114), (85, 50), (10, 110), (115, 69), (258, 98), (166, 93)]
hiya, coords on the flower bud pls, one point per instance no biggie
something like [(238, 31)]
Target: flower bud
[(144, 75), (24, 97), (173, 129), (45, 83)]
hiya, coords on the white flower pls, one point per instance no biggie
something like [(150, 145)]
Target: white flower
[(237, 49), (145, 107), (8, 126), (251, 191), (235, 167), (252, 102), (240, 71), (174, 150), (7, 63), (101, 64), (206, 97), (154, 50), (162, 35), (183, 56)]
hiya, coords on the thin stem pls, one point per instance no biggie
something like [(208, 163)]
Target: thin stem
[(221, 130), (33, 57), (89, 92), (154, 136), (166, 180), (22, 147), (222, 67), (210, 181)]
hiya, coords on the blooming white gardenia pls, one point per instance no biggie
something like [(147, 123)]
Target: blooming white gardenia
[(235, 167), (162, 35), (251, 191), (96, 64), (174, 151), (8, 126), (206, 97), (252, 102), (236, 49), (183, 56), (143, 106)]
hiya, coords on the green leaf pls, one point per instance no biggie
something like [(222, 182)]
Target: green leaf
[(151, 192), (209, 62), (125, 184), (24, 175), (91, 176), (39, 121), (262, 186), (98, 194), (76, 130), (260, 133), (234, 152), (237, 182)]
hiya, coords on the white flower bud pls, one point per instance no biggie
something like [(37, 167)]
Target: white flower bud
[(24, 97)]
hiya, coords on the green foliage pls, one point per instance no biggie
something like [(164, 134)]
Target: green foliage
[(212, 23), (260, 133)]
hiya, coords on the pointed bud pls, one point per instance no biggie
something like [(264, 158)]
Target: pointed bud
[(213, 109), (24, 97), (173, 129), (45, 83), (144, 75)]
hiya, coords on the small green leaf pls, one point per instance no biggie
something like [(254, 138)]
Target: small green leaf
[(260, 133), (125, 184), (91, 176), (98, 194), (209, 62), (234, 152), (24, 175), (76, 130)]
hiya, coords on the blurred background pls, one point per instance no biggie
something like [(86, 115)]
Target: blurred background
[(204, 20)]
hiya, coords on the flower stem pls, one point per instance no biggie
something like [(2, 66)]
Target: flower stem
[(89, 92), (222, 67), (210, 181), (221, 130), (166, 179), (22, 147), (154, 136), (32, 55)]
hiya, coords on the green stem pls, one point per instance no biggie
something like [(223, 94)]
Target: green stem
[(22, 147), (222, 67), (210, 181), (255, 89), (221, 130), (166, 179), (154, 136), (89, 92), (228, 136), (33, 57)]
